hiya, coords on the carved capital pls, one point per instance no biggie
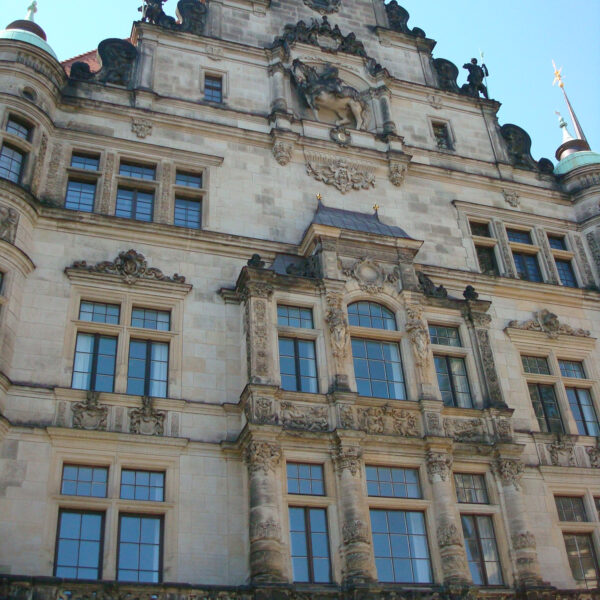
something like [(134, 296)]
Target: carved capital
[(256, 289), (439, 465), (347, 458), (510, 471), (262, 457)]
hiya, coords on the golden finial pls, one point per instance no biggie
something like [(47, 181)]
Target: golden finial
[(319, 197), (557, 76), (376, 207)]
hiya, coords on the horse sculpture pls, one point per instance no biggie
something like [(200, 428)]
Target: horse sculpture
[(326, 90)]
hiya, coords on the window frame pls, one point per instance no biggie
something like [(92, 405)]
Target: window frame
[(148, 365), (24, 156), (482, 565), (213, 74), (94, 366), (451, 140)]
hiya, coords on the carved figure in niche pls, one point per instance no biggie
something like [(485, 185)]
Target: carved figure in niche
[(9, 219), (476, 76), (327, 90), (447, 74)]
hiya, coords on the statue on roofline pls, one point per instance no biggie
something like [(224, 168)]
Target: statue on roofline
[(476, 76)]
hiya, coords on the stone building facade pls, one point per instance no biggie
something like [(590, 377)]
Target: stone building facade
[(223, 374)]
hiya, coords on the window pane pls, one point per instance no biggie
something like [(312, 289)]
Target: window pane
[(140, 547), (557, 242), (11, 163), (566, 273), (297, 365), (445, 336), (370, 314), (142, 485), (84, 481), (305, 479), (515, 235), (99, 312), (188, 213), (487, 260), (151, 319), (83, 161), (189, 179), (536, 365), (380, 374), (18, 128), (470, 488), (481, 229), (291, 316), (213, 88), (545, 407), (482, 552), (393, 482), (138, 171), (570, 508), (571, 368), (80, 195), (582, 558)]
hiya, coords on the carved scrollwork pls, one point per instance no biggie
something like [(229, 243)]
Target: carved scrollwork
[(89, 414), (340, 172), (262, 457), (418, 335), (548, 323), (347, 458), (512, 197), (510, 471), (261, 411), (438, 464), (130, 266), (308, 418), (147, 420), (398, 18), (367, 273), (448, 535), (192, 15), (447, 74), (9, 220), (559, 448)]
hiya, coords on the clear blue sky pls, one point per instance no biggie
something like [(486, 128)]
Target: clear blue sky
[(519, 39)]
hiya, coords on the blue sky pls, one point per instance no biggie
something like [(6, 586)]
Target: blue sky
[(519, 39)]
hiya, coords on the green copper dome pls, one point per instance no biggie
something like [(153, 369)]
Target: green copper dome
[(575, 161), (21, 35)]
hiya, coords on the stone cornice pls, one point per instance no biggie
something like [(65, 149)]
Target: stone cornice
[(521, 216), (105, 438)]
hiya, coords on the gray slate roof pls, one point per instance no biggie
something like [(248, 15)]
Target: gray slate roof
[(356, 221)]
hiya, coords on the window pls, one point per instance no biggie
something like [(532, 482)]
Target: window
[(79, 544), (134, 204), (480, 229), (453, 381), (444, 336), (527, 266), (140, 548), (305, 479), (298, 365), (400, 546), (142, 485), (11, 163), (557, 242), (570, 508), (582, 407), (482, 552), (545, 407), (19, 128), (188, 213), (486, 256), (148, 368), (80, 195), (94, 364), (127, 169), (535, 364), (85, 161), (470, 489), (441, 133), (597, 503), (518, 236), (309, 545), (566, 273), (369, 314), (571, 368), (84, 481), (151, 319), (188, 180), (293, 316), (393, 482), (213, 88), (99, 312), (582, 558)]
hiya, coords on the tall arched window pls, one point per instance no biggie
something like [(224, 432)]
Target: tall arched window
[(377, 361)]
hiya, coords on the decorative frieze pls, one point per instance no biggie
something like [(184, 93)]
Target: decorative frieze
[(90, 414), (560, 448), (548, 323), (345, 175), (593, 453), (369, 275), (380, 420), (439, 465), (465, 430), (261, 410), (262, 457), (308, 418), (147, 420), (265, 530)]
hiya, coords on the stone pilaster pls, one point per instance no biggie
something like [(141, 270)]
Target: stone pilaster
[(386, 113), (339, 340), (509, 472), (267, 556), (448, 527), (542, 241), (502, 237), (408, 275), (418, 333), (278, 99), (359, 562)]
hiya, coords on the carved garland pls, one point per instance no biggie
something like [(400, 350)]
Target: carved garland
[(340, 172)]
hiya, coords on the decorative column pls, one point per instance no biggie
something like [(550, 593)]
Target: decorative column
[(278, 99), (267, 558), (356, 538), (449, 536), (510, 472), (386, 112)]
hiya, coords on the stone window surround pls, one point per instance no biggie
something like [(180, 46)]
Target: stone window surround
[(190, 193), (567, 254), (488, 242), (86, 175), (491, 489), (224, 75), (23, 145), (82, 452), (126, 298), (533, 249), (435, 120), (464, 351), (553, 352)]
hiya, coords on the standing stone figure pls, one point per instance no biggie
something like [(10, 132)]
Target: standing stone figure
[(475, 79)]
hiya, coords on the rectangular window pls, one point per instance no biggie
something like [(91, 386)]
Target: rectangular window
[(520, 237), (453, 381), (400, 545), (80, 195), (142, 485), (582, 558), (557, 242), (444, 336), (189, 180), (94, 364), (527, 266), (134, 204), (305, 479), (378, 369), (213, 88), (138, 171), (19, 128), (151, 319), (536, 365), (188, 213), (545, 407), (140, 548), (442, 136), (148, 368), (310, 545), (480, 229), (584, 413), (99, 312), (570, 508), (571, 368), (79, 544), (470, 489), (482, 552), (11, 163), (566, 273), (298, 365), (84, 481), (393, 482), (85, 161), (293, 316), (487, 260)]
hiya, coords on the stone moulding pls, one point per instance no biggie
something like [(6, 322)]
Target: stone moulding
[(131, 266), (548, 323), (345, 175)]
